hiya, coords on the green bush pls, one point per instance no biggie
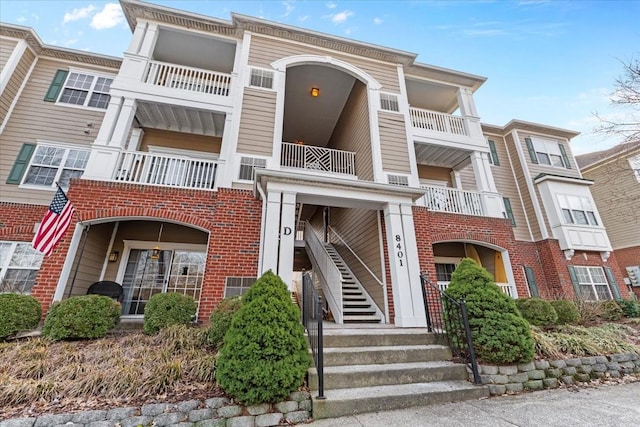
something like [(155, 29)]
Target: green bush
[(168, 309), (18, 313), (567, 312), (630, 308), (81, 317), (220, 319), (537, 311), (611, 311), (500, 334), (265, 354)]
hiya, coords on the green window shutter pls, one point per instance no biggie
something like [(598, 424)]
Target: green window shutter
[(531, 281), (494, 153), (20, 166), (574, 281), (532, 151), (612, 283), (565, 158), (507, 207), (56, 86)]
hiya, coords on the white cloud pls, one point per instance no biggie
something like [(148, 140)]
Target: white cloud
[(303, 18), (70, 42), (77, 14), (21, 20), (377, 21), (340, 18), (331, 5), (288, 8), (110, 16)]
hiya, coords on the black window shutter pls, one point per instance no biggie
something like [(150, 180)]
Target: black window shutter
[(532, 151), (20, 166), (494, 153), (565, 158), (531, 281), (507, 207), (612, 283), (574, 281), (56, 86)]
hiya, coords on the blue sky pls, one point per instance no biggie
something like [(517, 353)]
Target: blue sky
[(550, 62)]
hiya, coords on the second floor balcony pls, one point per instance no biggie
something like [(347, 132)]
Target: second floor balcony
[(451, 200), (438, 122), (187, 79), (318, 159)]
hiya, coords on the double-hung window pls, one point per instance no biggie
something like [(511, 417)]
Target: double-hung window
[(577, 210), (81, 88), (548, 153), (592, 283), (19, 265), (51, 164)]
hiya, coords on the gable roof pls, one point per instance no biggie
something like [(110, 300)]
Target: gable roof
[(591, 159)]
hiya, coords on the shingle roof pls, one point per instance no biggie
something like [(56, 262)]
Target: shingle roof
[(588, 159)]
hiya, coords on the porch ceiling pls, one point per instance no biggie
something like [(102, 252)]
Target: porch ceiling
[(180, 119), (435, 155), (432, 96)]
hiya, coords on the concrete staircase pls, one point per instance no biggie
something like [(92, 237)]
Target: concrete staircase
[(380, 369), (356, 305)]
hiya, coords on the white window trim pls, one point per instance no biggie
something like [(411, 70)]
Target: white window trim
[(41, 143), (239, 162), (5, 264), (269, 70), (95, 75), (583, 209), (592, 284), (548, 142)]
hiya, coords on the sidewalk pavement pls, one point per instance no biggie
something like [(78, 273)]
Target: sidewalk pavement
[(613, 405)]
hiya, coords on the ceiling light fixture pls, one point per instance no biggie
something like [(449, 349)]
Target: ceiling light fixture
[(315, 92)]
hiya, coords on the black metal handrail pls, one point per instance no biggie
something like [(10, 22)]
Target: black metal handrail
[(312, 321), (448, 318)]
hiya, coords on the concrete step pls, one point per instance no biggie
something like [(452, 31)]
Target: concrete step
[(360, 319), (357, 337), (343, 402), (358, 310), (351, 376), (337, 356)]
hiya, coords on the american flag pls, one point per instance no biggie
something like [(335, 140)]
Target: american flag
[(54, 224)]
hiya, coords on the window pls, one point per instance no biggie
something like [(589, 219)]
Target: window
[(389, 101), (493, 153), (634, 162), (590, 283), (549, 153), (237, 285), (444, 272), (261, 78), (248, 166), (86, 90), (19, 265), (50, 164), (577, 210), (398, 180)]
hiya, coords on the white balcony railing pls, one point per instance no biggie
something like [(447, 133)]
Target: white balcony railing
[(187, 78), (452, 200), (165, 170), (439, 122), (320, 159), (507, 288)]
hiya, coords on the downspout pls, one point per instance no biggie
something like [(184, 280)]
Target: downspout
[(262, 226)]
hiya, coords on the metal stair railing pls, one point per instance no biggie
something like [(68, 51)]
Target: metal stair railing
[(448, 318), (312, 312)]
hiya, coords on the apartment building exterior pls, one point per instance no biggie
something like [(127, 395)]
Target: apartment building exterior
[(616, 191), (268, 147)]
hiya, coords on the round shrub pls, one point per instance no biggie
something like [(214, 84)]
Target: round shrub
[(81, 317), (18, 313), (168, 309), (610, 311), (537, 311), (567, 312), (500, 334), (629, 308), (265, 354), (220, 319)]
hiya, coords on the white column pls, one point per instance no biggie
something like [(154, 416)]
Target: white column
[(469, 113), (492, 204), (404, 266), (138, 37), (373, 100), (109, 121), (271, 232), (11, 64), (63, 280), (287, 238), (123, 124), (149, 42)]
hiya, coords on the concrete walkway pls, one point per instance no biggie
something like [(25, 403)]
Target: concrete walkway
[(614, 405)]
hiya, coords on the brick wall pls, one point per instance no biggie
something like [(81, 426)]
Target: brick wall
[(17, 220), (628, 257)]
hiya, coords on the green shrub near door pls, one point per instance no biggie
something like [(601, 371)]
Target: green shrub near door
[(537, 311), (166, 309), (18, 313), (81, 317), (567, 312), (220, 320)]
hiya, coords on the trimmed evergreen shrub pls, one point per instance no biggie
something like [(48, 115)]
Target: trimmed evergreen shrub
[(18, 313), (220, 319), (166, 309), (567, 312), (500, 334), (629, 308), (537, 311), (265, 354), (81, 317), (611, 310)]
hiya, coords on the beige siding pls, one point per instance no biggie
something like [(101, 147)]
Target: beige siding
[(90, 259), (34, 119), (183, 141), (468, 179), (435, 173), (257, 122), (393, 143), (264, 51), (6, 49), (617, 195), (352, 132), (359, 228), (13, 86)]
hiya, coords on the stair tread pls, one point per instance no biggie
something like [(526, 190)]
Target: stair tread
[(351, 369), (376, 331), (399, 348), (362, 393)]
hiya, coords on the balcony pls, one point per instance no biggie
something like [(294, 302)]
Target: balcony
[(318, 159), (451, 200), (437, 122), (165, 170), (507, 288), (188, 79)]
